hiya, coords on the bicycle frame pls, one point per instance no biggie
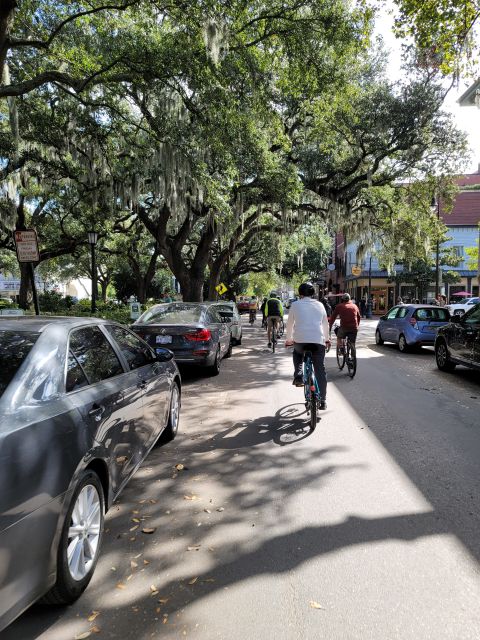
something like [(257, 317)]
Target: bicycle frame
[(311, 403)]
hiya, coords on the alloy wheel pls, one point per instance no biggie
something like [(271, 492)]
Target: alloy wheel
[(84, 532)]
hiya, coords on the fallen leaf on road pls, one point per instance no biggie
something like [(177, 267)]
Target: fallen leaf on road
[(113, 568), (192, 581), (93, 615), (120, 585), (135, 511), (137, 556), (149, 530), (209, 580), (82, 636), (192, 497), (135, 520), (163, 600), (220, 509), (194, 548), (95, 629), (315, 605), (153, 501), (153, 589), (133, 564), (133, 528), (179, 467), (207, 511), (146, 562), (121, 458)]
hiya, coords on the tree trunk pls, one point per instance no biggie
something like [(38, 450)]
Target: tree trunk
[(191, 288), (104, 285), (25, 286)]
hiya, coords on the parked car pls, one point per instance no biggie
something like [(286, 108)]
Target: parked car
[(459, 341), (411, 325), (82, 402), (243, 304), (461, 307), (194, 331), (229, 313)]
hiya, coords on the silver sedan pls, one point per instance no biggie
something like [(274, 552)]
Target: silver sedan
[(82, 402)]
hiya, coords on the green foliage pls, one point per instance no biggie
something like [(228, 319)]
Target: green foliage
[(472, 253)]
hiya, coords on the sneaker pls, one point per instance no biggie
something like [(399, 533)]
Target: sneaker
[(298, 381), (269, 345), (323, 405)]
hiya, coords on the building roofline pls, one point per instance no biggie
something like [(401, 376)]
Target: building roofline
[(468, 98)]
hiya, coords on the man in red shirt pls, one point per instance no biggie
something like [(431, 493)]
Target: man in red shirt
[(349, 316)]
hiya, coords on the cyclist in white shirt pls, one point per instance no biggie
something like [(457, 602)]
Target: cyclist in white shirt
[(308, 330)]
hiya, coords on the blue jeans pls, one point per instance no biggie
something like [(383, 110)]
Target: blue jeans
[(318, 361)]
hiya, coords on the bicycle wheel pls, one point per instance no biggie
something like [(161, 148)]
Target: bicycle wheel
[(313, 404), (340, 357), (274, 339), (281, 329), (351, 359)]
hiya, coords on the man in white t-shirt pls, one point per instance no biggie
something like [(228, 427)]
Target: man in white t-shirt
[(308, 330)]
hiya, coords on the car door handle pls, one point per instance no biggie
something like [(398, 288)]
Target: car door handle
[(96, 412)]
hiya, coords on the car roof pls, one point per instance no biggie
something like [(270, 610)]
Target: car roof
[(40, 323)]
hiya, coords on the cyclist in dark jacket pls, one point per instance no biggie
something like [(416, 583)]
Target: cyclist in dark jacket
[(273, 313)]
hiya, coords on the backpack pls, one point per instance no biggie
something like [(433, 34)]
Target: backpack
[(274, 307)]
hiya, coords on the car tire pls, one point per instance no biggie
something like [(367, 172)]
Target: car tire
[(402, 344), (214, 369), (171, 430), (443, 359), (239, 341), (228, 352), (378, 338), (87, 506)]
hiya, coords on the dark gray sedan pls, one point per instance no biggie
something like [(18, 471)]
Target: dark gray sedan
[(82, 402), (195, 332)]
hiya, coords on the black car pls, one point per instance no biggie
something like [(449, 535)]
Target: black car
[(82, 402), (195, 332), (459, 342)]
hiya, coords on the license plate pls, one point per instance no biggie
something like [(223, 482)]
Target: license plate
[(164, 339)]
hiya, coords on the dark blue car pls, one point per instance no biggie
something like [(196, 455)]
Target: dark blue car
[(411, 325)]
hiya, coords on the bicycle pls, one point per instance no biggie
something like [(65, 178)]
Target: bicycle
[(347, 354), (274, 336), (311, 389)]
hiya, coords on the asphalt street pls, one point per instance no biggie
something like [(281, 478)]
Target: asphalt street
[(256, 529)]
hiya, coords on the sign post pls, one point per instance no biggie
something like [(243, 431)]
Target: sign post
[(26, 244)]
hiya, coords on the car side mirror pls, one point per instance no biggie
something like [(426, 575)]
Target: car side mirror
[(164, 355)]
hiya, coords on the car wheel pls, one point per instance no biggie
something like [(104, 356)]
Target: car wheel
[(443, 359), (228, 352), (171, 429), (459, 312), (80, 541), (402, 344), (239, 341), (378, 337), (214, 369)]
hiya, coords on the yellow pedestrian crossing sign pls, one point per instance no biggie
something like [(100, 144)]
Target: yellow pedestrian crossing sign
[(221, 288)]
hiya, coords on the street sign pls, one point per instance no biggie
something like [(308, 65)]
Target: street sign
[(27, 245), (135, 310), (221, 289), (356, 271)]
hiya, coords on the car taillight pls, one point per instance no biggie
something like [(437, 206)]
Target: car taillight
[(200, 335)]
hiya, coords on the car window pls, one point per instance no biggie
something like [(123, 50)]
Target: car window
[(95, 354), (76, 378), (171, 314), (135, 352), (402, 312), (472, 316), (14, 348), (213, 316), (392, 313)]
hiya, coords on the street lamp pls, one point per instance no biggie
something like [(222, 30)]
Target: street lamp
[(436, 209), (92, 241)]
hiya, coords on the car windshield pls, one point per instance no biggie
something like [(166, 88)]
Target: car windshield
[(14, 348), (171, 314)]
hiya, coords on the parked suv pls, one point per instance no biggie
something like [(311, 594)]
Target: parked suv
[(461, 307), (459, 341), (229, 314)]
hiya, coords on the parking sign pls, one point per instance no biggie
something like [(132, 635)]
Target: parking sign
[(27, 245)]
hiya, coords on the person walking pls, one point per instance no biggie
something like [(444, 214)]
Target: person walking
[(307, 330)]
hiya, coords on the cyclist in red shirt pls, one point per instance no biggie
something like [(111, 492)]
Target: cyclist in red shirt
[(349, 316)]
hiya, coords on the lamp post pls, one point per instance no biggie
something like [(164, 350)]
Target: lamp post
[(436, 208), (92, 241)]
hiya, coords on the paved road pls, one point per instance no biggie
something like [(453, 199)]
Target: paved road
[(367, 529)]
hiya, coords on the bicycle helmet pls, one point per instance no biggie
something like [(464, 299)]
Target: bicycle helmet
[(306, 289), (273, 294), (346, 297)]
